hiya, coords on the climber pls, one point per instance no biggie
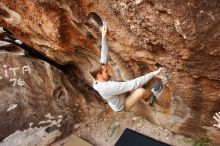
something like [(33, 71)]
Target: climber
[(112, 91), (217, 119)]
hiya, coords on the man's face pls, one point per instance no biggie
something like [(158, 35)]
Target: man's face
[(105, 74)]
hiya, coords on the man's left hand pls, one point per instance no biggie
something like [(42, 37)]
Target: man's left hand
[(159, 75)]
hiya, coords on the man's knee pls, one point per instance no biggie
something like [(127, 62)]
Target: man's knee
[(140, 91), (134, 97)]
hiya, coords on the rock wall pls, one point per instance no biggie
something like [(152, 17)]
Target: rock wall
[(182, 36), (36, 94)]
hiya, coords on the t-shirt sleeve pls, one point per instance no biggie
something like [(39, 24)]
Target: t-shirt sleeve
[(104, 52)]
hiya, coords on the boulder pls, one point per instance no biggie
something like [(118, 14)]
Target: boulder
[(40, 99), (182, 36)]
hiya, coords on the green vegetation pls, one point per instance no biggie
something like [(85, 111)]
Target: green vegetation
[(112, 131)]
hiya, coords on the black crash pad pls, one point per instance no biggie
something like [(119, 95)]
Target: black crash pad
[(132, 138)]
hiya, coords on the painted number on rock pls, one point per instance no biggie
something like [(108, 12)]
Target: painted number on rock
[(19, 82), (12, 71)]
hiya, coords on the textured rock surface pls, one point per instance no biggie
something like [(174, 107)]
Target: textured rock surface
[(183, 36), (33, 94), (31, 136)]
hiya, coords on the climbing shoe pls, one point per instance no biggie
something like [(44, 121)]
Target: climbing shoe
[(156, 90), (153, 98)]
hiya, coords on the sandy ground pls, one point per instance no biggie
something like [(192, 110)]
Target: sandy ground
[(106, 129)]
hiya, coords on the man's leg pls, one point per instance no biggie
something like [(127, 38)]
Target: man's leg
[(156, 90), (136, 95)]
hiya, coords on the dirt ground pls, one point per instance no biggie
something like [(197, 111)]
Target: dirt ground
[(105, 130)]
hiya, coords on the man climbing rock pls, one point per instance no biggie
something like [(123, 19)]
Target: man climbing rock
[(112, 91)]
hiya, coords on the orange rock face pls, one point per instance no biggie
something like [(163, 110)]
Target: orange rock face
[(182, 36)]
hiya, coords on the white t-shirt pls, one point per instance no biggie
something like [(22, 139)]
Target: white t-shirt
[(112, 91)]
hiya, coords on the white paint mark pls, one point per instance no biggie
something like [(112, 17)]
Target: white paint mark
[(49, 116), (21, 82), (13, 80), (49, 121), (60, 116), (30, 125), (41, 122), (14, 70), (54, 122), (5, 70), (18, 42), (26, 69), (12, 107), (59, 121), (17, 82)]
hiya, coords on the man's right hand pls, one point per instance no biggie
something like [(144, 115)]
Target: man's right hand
[(217, 119), (159, 74)]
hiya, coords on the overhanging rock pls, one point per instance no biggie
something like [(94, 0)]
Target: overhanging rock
[(182, 36)]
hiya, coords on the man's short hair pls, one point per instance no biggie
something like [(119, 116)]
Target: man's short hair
[(96, 69)]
